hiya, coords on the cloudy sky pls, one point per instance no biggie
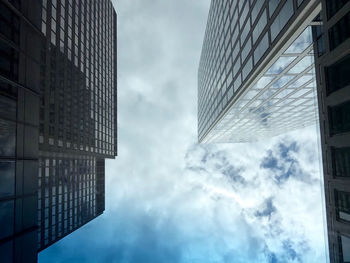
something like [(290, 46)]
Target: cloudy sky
[(169, 199)]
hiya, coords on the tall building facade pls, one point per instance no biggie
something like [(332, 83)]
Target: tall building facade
[(77, 115), (58, 105), (272, 66), (19, 118), (333, 88), (256, 75)]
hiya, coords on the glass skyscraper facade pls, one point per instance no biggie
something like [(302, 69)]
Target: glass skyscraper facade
[(58, 105), (256, 68), (273, 66), (281, 100), (71, 193), (19, 122), (77, 124), (77, 77)]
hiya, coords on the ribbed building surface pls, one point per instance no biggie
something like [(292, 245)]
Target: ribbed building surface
[(58, 119)]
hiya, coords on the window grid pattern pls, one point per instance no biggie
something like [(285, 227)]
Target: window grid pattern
[(237, 36), (66, 197), (283, 99), (78, 68)]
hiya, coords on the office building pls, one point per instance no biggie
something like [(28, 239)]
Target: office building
[(261, 65), (332, 61), (19, 122), (77, 125), (58, 111), (256, 75)]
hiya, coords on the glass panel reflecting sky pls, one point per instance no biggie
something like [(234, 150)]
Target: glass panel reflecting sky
[(264, 110)]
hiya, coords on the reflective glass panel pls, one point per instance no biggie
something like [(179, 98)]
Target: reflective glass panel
[(280, 65), (345, 247), (7, 178), (339, 118), (281, 19), (6, 218), (7, 138), (342, 202)]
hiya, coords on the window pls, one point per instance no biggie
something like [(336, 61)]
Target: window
[(236, 66), (341, 162), (338, 75), (8, 107), (246, 48), (9, 23), (6, 218), (339, 32), (318, 37), (344, 247), (342, 203), (333, 6), (245, 32), (9, 61), (244, 13), (261, 48), (6, 251), (247, 68), (7, 178), (259, 26), (300, 2), (339, 118), (273, 5), (281, 19), (256, 9), (7, 138)]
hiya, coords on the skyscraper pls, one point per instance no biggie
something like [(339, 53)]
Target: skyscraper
[(19, 118), (333, 87), (77, 127), (257, 78), (58, 114), (256, 74)]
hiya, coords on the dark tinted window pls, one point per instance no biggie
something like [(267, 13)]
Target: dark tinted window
[(333, 6), (7, 178), (341, 162), (7, 138), (6, 218), (8, 90), (30, 208), (318, 36), (8, 61), (339, 32), (338, 75), (8, 107), (6, 252), (339, 118), (15, 3), (344, 249), (9, 23), (342, 203)]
